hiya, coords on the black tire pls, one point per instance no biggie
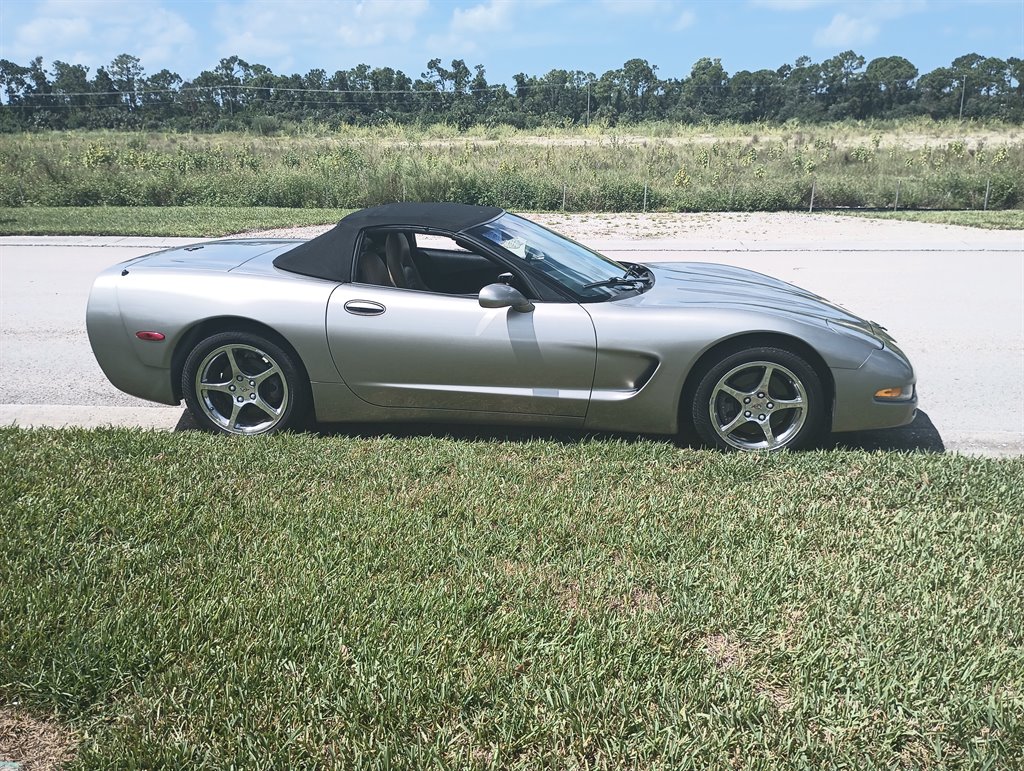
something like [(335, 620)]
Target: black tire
[(733, 409), (242, 384)]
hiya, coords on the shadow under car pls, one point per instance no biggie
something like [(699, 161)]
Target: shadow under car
[(918, 436)]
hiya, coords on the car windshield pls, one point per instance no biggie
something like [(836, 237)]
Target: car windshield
[(584, 272)]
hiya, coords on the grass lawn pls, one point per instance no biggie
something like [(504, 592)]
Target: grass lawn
[(185, 600), (1008, 219), (196, 221)]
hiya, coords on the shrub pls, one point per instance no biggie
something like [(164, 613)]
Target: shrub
[(605, 172)]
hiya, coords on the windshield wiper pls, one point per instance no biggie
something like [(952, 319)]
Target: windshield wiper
[(617, 281), (634, 275), (639, 271)]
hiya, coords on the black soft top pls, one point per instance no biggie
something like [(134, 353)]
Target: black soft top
[(330, 255)]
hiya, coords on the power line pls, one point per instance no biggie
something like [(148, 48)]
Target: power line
[(184, 89), (143, 107), (526, 87)]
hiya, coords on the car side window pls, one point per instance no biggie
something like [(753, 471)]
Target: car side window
[(405, 259)]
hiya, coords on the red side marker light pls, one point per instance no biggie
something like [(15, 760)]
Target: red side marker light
[(153, 336)]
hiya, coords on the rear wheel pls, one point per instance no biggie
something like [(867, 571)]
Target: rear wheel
[(760, 399), (241, 383)]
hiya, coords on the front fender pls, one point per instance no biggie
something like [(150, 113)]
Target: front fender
[(665, 344)]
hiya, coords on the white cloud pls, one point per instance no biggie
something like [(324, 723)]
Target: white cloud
[(164, 36), (93, 32), (636, 7), (791, 5), (686, 20), (45, 33), (468, 25), (270, 32), (668, 12), (380, 21), (480, 19), (846, 31)]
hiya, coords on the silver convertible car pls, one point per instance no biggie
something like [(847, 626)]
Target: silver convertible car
[(445, 313)]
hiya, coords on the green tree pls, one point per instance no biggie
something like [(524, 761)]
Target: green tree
[(640, 86), (705, 91), (126, 73), (841, 86), (890, 80), (754, 96), (802, 89), (161, 92), (14, 79)]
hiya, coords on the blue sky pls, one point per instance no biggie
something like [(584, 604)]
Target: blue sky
[(506, 36)]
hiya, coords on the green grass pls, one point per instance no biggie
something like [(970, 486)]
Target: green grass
[(728, 168), (1012, 219), (301, 601), (196, 221)]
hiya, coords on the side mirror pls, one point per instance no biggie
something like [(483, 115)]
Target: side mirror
[(504, 296)]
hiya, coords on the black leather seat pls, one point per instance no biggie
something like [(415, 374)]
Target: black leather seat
[(403, 270), (372, 268)]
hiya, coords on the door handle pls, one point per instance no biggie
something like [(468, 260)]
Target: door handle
[(364, 307)]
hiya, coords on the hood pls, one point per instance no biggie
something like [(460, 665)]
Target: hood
[(218, 256), (694, 284)]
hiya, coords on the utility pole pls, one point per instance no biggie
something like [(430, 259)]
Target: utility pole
[(588, 102), (963, 93)]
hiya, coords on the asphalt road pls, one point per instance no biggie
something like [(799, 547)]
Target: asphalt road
[(956, 306)]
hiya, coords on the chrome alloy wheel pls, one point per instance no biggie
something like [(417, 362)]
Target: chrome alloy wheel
[(242, 389), (758, 405)]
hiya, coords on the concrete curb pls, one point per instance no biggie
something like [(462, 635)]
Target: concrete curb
[(106, 242), (75, 416), (986, 241)]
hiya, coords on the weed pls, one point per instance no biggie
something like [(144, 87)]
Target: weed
[(682, 171)]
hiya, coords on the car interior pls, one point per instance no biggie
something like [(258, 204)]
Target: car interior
[(431, 263)]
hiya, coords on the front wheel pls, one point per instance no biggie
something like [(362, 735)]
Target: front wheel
[(760, 399), (240, 383)]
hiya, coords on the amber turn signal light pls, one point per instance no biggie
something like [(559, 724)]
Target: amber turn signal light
[(889, 393)]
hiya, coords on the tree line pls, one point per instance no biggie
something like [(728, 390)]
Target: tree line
[(237, 95)]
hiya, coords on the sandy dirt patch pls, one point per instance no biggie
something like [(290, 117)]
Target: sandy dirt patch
[(793, 227), (913, 140), (34, 744)]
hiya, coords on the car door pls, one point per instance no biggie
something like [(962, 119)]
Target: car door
[(406, 348)]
